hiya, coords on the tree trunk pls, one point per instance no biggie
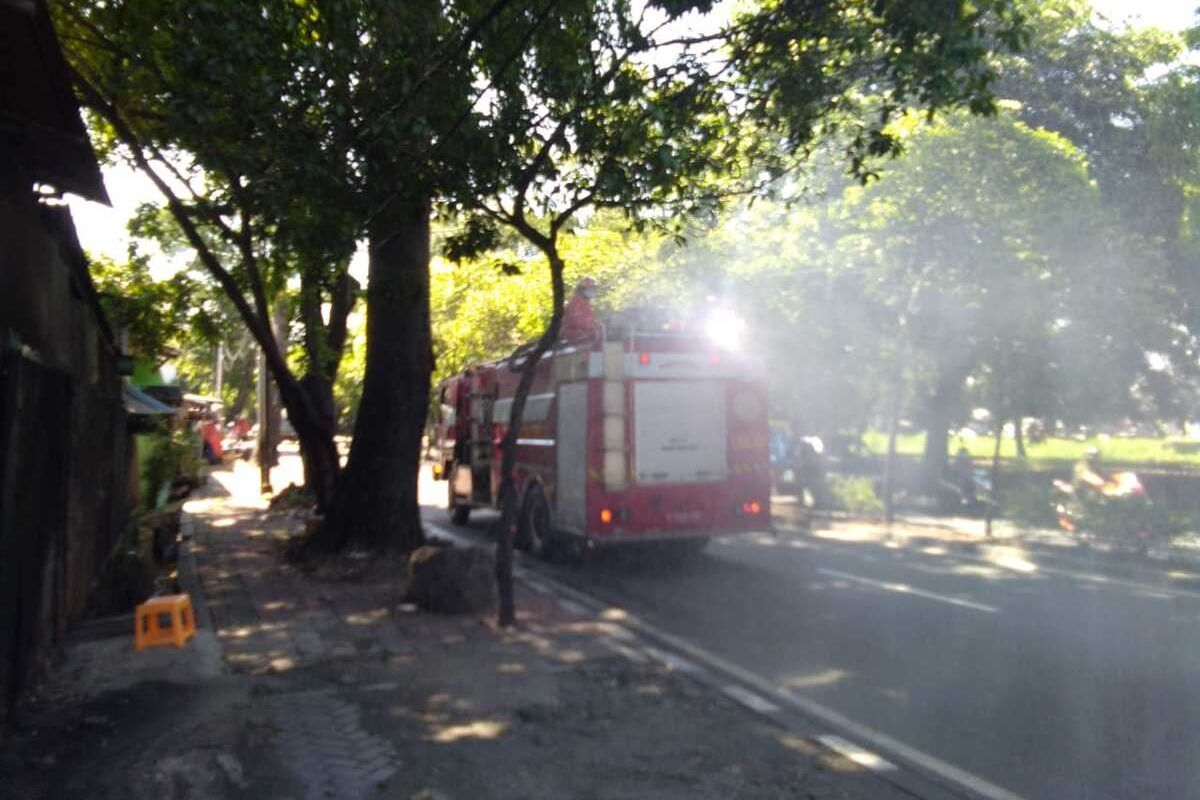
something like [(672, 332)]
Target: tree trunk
[(323, 345), (1019, 437), (940, 408), (506, 526), (243, 379), (376, 506), (317, 448), (889, 467), (991, 509), (937, 445)]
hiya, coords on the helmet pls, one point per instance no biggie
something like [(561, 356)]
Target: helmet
[(586, 287)]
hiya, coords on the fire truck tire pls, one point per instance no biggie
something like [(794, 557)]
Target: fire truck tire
[(460, 513), (536, 533)]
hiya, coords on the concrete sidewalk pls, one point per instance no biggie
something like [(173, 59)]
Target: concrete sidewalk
[(328, 686)]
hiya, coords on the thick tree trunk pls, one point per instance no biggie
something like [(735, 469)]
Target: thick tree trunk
[(938, 413), (376, 504), (937, 444)]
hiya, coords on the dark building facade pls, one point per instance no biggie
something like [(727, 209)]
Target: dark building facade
[(63, 442)]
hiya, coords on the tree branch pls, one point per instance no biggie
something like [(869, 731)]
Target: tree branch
[(245, 243), (465, 115), (259, 326)]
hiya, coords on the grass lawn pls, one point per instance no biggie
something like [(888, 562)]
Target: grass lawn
[(1053, 451)]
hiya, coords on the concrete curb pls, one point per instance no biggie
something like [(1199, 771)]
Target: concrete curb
[(189, 574)]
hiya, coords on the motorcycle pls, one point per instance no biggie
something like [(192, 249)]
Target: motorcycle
[(967, 494), (1118, 511)]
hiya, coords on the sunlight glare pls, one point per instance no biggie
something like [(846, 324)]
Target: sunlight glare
[(725, 329)]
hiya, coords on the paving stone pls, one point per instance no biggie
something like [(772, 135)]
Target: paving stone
[(320, 737)]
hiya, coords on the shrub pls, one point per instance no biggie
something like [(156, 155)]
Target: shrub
[(1121, 519), (1029, 505), (855, 494), (172, 454)]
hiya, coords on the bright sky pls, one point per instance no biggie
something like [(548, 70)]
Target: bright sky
[(102, 229), (1169, 14)]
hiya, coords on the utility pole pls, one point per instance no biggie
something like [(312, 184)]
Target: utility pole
[(269, 405), (220, 377), (265, 448)]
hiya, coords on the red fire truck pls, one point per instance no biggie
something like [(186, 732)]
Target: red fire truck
[(627, 438)]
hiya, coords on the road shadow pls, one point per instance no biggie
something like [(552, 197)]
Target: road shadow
[(642, 559)]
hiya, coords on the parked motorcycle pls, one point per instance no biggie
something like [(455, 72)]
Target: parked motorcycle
[(968, 493)]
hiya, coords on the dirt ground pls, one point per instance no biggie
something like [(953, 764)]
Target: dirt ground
[(303, 688)]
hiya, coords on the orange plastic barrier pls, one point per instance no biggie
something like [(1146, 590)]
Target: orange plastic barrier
[(164, 620)]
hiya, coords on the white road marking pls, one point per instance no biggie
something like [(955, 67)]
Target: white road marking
[(881, 741), (852, 752), (625, 651), (904, 588), (1020, 567), (750, 700), (538, 587), (571, 607), (673, 661), (1124, 584)]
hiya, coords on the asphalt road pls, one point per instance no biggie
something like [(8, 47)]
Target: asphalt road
[(1035, 673)]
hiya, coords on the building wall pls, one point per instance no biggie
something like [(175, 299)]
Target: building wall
[(63, 441)]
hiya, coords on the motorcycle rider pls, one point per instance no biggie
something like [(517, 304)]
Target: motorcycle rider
[(1088, 475)]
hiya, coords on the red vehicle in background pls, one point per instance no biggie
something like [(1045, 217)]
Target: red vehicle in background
[(637, 437)]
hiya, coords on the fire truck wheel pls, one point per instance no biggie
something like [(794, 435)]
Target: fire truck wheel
[(536, 535), (459, 513)]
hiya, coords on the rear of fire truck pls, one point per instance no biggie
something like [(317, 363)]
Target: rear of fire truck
[(679, 443), (629, 437)]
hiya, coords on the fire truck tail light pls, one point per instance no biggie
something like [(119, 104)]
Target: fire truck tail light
[(606, 515), (752, 508), (644, 359)]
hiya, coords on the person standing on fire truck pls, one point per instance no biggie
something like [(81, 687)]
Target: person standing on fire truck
[(579, 319)]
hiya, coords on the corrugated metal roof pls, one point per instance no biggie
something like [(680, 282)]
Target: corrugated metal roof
[(38, 111), (139, 403)]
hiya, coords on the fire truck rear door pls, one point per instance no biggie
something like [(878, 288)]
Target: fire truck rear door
[(679, 431), (570, 491)]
